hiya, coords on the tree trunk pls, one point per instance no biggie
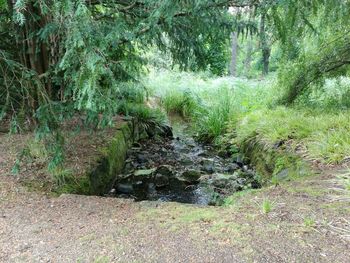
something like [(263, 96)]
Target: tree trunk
[(248, 58), (234, 53), (265, 47)]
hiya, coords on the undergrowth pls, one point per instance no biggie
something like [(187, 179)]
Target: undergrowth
[(235, 110)]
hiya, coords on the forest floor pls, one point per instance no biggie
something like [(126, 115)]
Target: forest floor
[(309, 221)]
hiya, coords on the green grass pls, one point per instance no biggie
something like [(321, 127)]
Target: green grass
[(235, 198), (266, 206), (210, 103), (309, 222), (318, 125), (324, 136)]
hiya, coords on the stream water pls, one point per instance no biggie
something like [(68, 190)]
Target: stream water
[(182, 170)]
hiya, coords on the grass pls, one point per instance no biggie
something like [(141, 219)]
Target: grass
[(318, 125), (236, 198), (266, 206), (210, 103), (324, 136), (309, 222)]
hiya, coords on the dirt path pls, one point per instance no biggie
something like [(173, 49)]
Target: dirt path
[(308, 222)]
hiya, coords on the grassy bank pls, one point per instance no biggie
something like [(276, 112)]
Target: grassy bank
[(243, 111)]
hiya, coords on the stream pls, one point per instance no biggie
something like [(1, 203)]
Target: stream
[(180, 169)]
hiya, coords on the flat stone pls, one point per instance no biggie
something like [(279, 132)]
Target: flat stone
[(186, 161), (125, 188), (144, 172)]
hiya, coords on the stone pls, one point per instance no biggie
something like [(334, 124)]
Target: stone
[(231, 168), (190, 176), (185, 160), (144, 172), (166, 131), (112, 191), (136, 145), (141, 158), (238, 159), (282, 175), (207, 166), (223, 154), (227, 183), (125, 188), (202, 154), (161, 180), (164, 170)]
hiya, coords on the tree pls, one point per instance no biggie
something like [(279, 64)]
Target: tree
[(264, 45), (234, 51), (78, 51)]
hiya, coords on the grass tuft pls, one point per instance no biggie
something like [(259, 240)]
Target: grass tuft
[(266, 206)]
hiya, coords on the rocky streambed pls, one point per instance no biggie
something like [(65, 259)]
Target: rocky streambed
[(177, 168)]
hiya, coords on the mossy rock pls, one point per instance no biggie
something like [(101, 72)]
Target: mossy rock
[(112, 160), (269, 161)]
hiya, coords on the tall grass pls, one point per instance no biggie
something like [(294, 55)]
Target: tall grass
[(319, 123), (324, 136), (210, 103)]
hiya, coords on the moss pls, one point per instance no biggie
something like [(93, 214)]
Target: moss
[(270, 161), (110, 163), (112, 160)]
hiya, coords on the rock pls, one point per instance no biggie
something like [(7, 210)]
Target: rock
[(202, 154), (207, 165), (127, 166), (125, 188), (166, 131), (144, 172), (112, 191), (190, 176), (227, 183), (136, 146), (161, 180), (223, 153), (165, 170), (231, 168), (185, 160), (141, 158), (124, 176), (238, 159), (151, 188), (209, 169), (282, 175)]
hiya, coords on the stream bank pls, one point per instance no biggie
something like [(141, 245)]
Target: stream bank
[(178, 168)]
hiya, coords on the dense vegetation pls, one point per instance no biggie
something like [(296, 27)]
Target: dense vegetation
[(60, 59)]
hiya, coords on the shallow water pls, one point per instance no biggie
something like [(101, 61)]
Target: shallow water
[(175, 169)]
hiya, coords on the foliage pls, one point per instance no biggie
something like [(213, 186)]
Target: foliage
[(244, 109), (323, 136), (151, 120), (63, 58), (81, 56), (184, 103), (329, 61), (210, 103)]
